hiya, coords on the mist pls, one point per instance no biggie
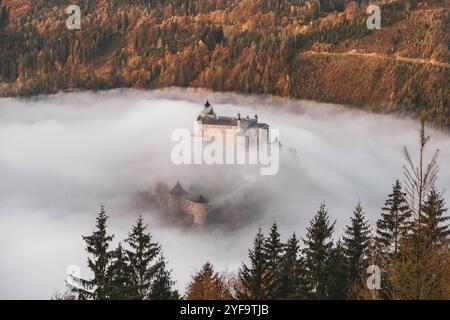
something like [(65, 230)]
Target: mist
[(62, 156)]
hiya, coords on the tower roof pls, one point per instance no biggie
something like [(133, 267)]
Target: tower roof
[(201, 199), (178, 190), (208, 109)]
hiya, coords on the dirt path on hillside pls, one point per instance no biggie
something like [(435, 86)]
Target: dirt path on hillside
[(374, 55)]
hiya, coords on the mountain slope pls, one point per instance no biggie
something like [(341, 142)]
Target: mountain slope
[(310, 49)]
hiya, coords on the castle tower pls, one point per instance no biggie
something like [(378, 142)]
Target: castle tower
[(197, 209), (176, 196), (208, 109)]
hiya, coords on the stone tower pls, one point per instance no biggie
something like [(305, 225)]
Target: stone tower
[(197, 208), (177, 196)]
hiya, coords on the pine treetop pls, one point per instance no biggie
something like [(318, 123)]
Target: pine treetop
[(142, 255), (317, 253), (435, 224), (161, 288), (356, 242), (273, 248), (319, 230), (254, 277), (97, 245)]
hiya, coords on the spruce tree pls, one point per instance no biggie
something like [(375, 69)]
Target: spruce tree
[(254, 279), (207, 285), (97, 245), (337, 273), (142, 255), (394, 221), (435, 224), (356, 243), (119, 272), (162, 285), (273, 251), (317, 254), (291, 276)]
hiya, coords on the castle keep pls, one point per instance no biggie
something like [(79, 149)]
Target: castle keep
[(247, 127)]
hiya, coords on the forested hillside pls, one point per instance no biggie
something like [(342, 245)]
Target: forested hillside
[(309, 49)]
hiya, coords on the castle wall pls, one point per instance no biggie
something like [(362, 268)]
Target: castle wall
[(197, 210), (223, 130)]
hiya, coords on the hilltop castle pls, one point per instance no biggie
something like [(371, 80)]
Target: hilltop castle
[(251, 132), (247, 127)]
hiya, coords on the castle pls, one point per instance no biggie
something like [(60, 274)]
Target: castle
[(249, 128), (252, 132), (180, 201)]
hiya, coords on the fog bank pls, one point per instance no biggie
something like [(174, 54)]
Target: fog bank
[(62, 156)]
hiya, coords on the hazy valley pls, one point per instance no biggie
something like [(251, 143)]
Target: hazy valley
[(64, 155)]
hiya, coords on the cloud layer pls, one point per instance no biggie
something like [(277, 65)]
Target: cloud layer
[(63, 155)]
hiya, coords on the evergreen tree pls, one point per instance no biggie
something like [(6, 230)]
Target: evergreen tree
[(119, 272), (162, 285), (435, 224), (254, 279), (338, 273), (207, 285), (142, 255), (356, 243), (97, 245), (291, 276), (273, 251), (394, 221), (317, 254), (360, 289)]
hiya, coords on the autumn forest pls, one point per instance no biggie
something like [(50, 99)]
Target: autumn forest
[(309, 49)]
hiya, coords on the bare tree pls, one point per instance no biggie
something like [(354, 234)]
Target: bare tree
[(420, 178)]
